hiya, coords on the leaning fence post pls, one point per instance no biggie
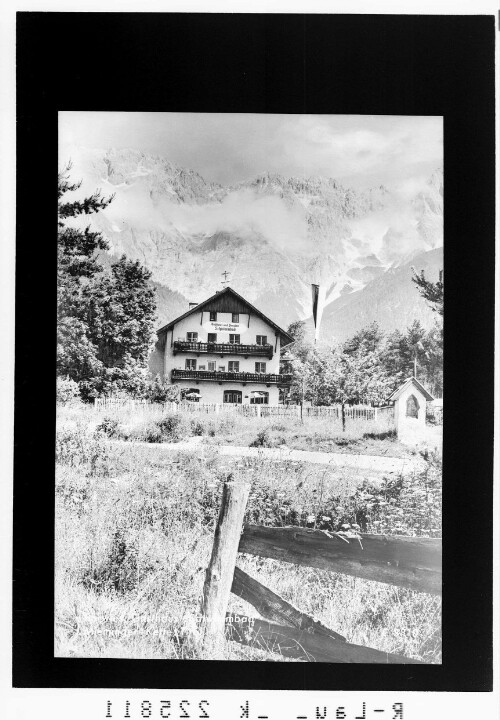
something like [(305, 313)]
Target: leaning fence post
[(220, 571)]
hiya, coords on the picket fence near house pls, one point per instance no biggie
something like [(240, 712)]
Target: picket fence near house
[(353, 412)]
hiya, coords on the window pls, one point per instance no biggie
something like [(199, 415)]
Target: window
[(412, 407), (192, 336), (212, 365), (234, 339), (236, 317), (212, 337), (190, 394), (190, 364), (259, 398), (260, 367), (222, 368), (233, 366), (232, 396), (261, 339), (213, 315)]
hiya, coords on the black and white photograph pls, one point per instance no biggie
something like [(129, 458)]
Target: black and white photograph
[(250, 387), (235, 491)]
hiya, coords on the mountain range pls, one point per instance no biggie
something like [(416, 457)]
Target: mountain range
[(274, 235)]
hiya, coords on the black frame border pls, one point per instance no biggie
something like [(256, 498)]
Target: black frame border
[(322, 64)]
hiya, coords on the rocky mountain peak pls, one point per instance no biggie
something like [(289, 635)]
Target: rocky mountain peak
[(274, 234)]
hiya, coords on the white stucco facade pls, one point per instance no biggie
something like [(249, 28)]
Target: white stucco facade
[(179, 351), (410, 401), (248, 332)]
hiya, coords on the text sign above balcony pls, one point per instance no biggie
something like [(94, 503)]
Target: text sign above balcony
[(229, 327)]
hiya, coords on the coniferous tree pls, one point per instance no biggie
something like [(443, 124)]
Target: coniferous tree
[(432, 292), (368, 339), (105, 316), (77, 267)]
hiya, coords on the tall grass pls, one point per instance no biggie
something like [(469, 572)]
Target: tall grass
[(152, 424), (134, 531)]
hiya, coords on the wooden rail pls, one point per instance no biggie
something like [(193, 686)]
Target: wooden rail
[(223, 349), (223, 376), (303, 645), (274, 608), (406, 561), (410, 562)]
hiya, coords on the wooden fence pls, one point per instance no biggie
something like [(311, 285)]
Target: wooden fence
[(434, 413), (408, 562), (354, 412)]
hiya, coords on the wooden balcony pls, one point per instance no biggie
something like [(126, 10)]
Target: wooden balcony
[(223, 349), (232, 377)]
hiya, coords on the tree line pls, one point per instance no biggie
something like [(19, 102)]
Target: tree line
[(367, 367)]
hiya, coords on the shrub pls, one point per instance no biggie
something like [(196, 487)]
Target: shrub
[(67, 391), (118, 571), (150, 433), (169, 428), (268, 438), (198, 427), (160, 391), (110, 427), (173, 427), (88, 451), (262, 439)]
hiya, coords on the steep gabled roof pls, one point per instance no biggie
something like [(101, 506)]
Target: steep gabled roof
[(285, 337), (410, 381)]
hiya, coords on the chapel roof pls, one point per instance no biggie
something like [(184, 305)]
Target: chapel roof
[(410, 381)]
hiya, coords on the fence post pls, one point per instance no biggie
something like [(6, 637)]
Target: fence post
[(220, 571), (375, 414), (257, 407)]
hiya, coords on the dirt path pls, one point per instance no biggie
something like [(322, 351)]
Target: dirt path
[(372, 463)]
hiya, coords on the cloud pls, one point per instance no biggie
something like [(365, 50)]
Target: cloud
[(242, 211), (228, 148)]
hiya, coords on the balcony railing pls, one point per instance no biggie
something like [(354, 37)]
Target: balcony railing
[(241, 377), (223, 348)]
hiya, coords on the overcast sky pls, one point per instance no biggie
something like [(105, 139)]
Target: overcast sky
[(358, 150)]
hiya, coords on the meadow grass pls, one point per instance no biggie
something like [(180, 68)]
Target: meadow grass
[(134, 532), (152, 424)]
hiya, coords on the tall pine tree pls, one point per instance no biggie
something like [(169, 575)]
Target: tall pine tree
[(105, 316)]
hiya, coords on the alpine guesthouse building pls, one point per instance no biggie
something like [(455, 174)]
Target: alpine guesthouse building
[(223, 350)]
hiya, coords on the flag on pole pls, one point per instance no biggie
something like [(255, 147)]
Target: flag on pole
[(318, 300)]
